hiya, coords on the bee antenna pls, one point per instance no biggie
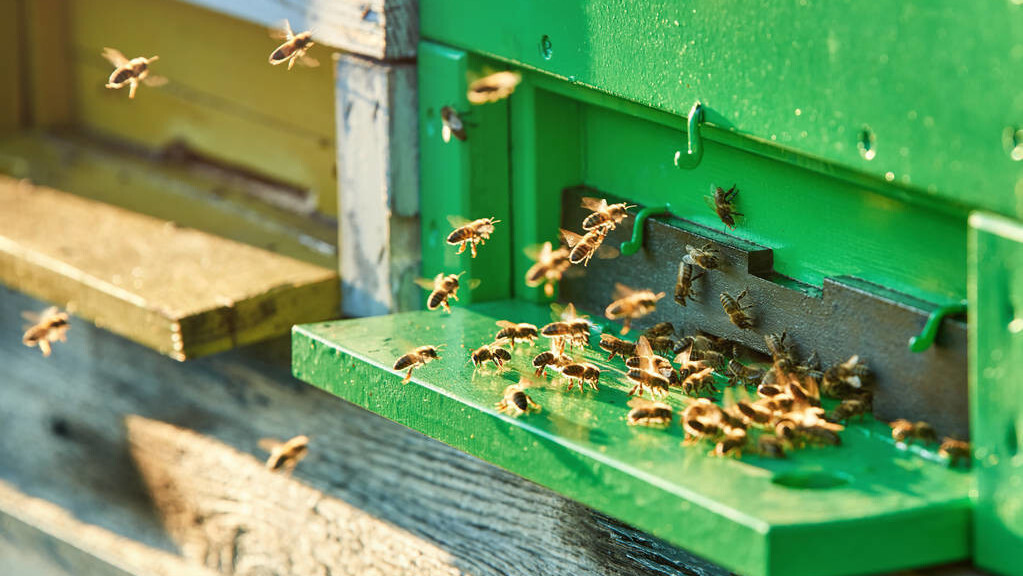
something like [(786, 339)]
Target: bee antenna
[(154, 58)]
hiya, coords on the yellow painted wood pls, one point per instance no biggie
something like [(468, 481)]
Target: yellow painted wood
[(180, 291), (48, 62), (220, 202), (10, 66), (222, 100)]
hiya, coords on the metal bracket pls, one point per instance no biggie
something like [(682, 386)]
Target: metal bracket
[(925, 339), (633, 245), (694, 148)]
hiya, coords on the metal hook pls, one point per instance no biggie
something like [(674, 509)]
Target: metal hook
[(926, 337), (633, 246), (695, 147)]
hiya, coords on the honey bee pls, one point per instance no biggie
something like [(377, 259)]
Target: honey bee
[(512, 332), (489, 353), (50, 326), (130, 72), (819, 434), (631, 304), (770, 447), (585, 246), (294, 48), (684, 284), (648, 413), (550, 358), (723, 204), (493, 88), (747, 375), (906, 431), (443, 287), (284, 456), (572, 328), (699, 382), (418, 357), (549, 267), (516, 402), (777, 347), (706, 257), (736, 311), (955, 450), (733, 442), (846, 380), (579, 372), (660, 330), (850, 408), (614, 345), (451, 124), (656, 364), (646, 374), (756, 412), (473, 233), (702, 418), (604, 215)]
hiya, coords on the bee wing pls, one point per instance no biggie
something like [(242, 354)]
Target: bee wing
[(539, 252), (709, 201), (474, 283), (570, 238), (640, 402), (685, 357), (812, 390), (114, 56), (309, 62), (574, 272), (155, 81), (458, 221), (622, 291), (594, 204), (282, 31), (607, 252), (30, 316), (643, 349), (269, 444), (427, 283)]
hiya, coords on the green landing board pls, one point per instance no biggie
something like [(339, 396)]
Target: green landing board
[(869, 503)]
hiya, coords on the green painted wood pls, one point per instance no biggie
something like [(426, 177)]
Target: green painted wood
[(935, 85), (906, 510), (468, 179), (996, 390)]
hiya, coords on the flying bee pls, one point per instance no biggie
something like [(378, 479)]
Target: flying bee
[(684, 284), (702, 418), (847, 379), (631, 304), (723, 203), (850, 408), (470, 233), (443, 287), (736, 311), (770, 447), (699, 382), (294, 48), (906, 431), (733, 442), (489, 353), (50, 326), (955, 450), (614, 345), (706, 257), (130, 72), (451, 125), (579, 372), (604, 215), (512, 332), (585, 246), (418, 357), (493, 88), (747, 375), (756, 412), (516, 402), (549, 267), (284, 456), (648, 413)]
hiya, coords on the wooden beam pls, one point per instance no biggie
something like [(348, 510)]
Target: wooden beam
[(49, 67), (378, 186), (182, 292)]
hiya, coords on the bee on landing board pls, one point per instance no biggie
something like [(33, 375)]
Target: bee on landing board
[(452, 125), (549, 267), (646, 373), (284, 456), (493, 88), (130, 72), (723, 203), (516, 402), (648, 413), (512, 332), (294, 48), (470, 233), (489, 353), (906, 431), (443, 287), (584, 247), (736, 310), (955, 451), (614, 345), (604, 215), (579, 372), (631, 304), (49, 326), (418, 357), (571, 329), (684, 284)]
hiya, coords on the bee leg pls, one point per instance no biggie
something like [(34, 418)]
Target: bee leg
[(461, 247), (291, 61), (131, 89), (548, 289), (408, 377), (44, 345), (626, 325), (473, 247)]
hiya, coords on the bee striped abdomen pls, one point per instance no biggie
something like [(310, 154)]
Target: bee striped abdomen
[(404, 362)]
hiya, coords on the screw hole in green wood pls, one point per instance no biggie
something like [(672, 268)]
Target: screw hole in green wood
[(809, 479), (546, 48), (925, 339), (867, 143), (694, 148), (632, 246)]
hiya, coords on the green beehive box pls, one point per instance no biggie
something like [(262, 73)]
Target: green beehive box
[(874, 146)]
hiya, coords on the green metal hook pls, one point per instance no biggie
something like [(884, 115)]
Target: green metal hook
[(926, 337), (695, 147), (633, 246)]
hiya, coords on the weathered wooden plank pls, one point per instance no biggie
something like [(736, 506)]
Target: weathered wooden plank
[(382, 29), (11, 67), (222, 101), (379, 182), (182, 292), (48, 62), (193, 194)]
